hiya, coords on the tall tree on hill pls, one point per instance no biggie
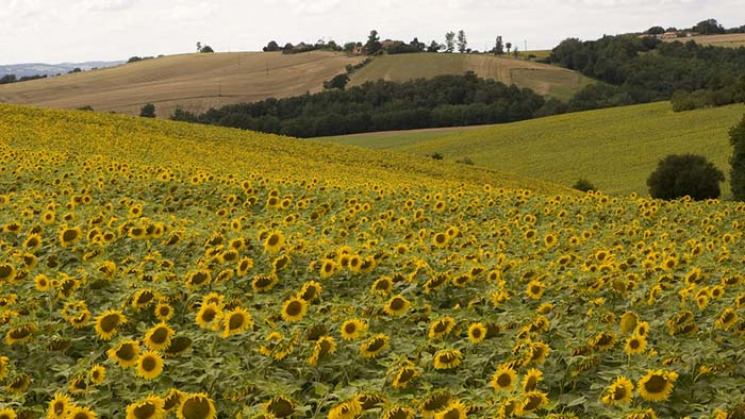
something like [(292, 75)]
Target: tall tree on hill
[(709, 27), (373, 43), (462, 42), (450, 42), (435, 47), (509, 47), (499, 46)]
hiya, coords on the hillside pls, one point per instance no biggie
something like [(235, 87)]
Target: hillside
[(616, 149), (544, 79), (195, 82)]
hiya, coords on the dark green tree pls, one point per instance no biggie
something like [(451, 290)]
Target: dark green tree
[(338, 82), (499, 46), (373, 43), (655, 30), (207, 49), (272, 46), (737, 161), (688, 174), (709, 27), (434, 47), (148, 111), (584, 185)]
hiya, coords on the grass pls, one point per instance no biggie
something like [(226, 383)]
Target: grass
[(195, 82), (733, 40), (544, 79), (616, 149)]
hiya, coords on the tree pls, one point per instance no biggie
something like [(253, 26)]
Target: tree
[(583, 185), (199, 46), (338, 82), (435, 47), (655, 30), (709, 27), (373, 43), (416, 45), (462, 42), (499, 46), (508, 46), (207, 49), (148, 111), (272, 46), (737, 161), (688, 174), (450, 42)]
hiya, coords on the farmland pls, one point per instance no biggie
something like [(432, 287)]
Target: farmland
[(616, 149), (734, 40), (158, 269), (544, 79), (197, 82)]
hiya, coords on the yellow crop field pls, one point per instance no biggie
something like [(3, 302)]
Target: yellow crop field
[(154, 269)]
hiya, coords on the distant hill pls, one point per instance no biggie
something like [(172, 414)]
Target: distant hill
[(544, 79), (39, 69), (197, 82), (616, 149)]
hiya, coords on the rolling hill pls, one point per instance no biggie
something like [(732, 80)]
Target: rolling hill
[(197, 82), (544, 79), (616, 149)]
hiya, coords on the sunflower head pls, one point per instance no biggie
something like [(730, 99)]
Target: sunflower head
[(656, 385), (196, 406)]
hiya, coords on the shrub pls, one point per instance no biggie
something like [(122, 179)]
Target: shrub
[(148, 111), (679, 175), (737, 161), (584, 185), (466, 160), (437, 156)]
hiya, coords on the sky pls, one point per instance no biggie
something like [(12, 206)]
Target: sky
[(56, 31)]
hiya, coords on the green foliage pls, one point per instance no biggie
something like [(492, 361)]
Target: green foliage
[(148, 111), (437, 156), (373, 44), (584, 185), (737, 161), (709, 27), (206, 49), (691, 175), (338, 82)]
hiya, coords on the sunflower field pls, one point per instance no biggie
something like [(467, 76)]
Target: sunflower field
[(153, 269)]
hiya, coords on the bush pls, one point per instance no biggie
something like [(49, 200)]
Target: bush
[(679, 175), (737, 161), (584, 185), (437, 156), (148, 111)]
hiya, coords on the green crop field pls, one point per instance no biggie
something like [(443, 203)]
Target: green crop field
[(616, 149), (544, 79)]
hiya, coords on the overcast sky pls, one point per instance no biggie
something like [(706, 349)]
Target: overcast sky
[(54, 31)]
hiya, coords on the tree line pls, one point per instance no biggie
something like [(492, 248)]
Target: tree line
[(12, 78), (448, 100), (644, 69)]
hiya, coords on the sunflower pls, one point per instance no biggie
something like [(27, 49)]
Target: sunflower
[(435, 402), (21, 334), (399, 412), (310, 291), (349, 409), (78, 384), (397, 306), (107, 323), (628, 322), (538, 352), (150, 408), (369, 401), (447, 359), (635, 345), (382, 286), (328, 267), (142, 298), (264, 283), (405, 375), (163, 311), (19, 384), (80, 413), (642, 329), (41, 282), (534, 400), (59, 406), (208, 316), (374, 346), (149, 365), (279, 406), (196, 406), (726, 319), (294, 309), (476, 332), (656, 385), (69, 235), (436, 282), (353, 329), (236, 321), (274, 242), (455, 410), (535, 289), (440, 240), (244, 265), (178, 346), (324, 346), (159, 337), (441, 327), (509, 408), (604, 341), (173, 399), (198, 279), (504, 379), (7, 413), (3, 367), (531, 380), (620, 391), (97, 374)]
